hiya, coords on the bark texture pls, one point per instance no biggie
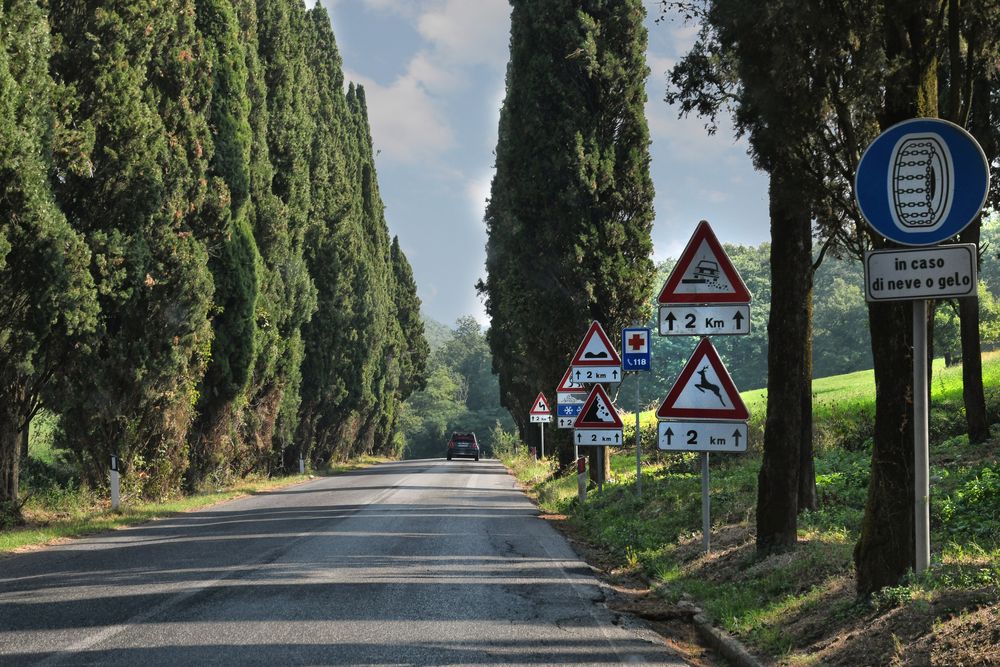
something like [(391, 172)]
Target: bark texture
[(788, 333)]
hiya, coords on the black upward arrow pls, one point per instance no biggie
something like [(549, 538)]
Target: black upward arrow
[(739, 319), (670, 320), (614, 374), (736, 437), (670, 435)]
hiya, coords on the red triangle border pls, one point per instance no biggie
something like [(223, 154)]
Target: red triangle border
[(545, 401), (598, 389), (737, 413), (703, 232), (596, 328)]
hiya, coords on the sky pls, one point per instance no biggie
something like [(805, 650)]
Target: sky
[(433, 72)]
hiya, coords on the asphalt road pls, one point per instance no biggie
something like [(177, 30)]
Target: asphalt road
[(420, 562)]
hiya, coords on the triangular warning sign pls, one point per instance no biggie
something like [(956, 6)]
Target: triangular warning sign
[(567, 386), (704, 273), (704, 389), (596, 349), (598, 412), (540, 406)]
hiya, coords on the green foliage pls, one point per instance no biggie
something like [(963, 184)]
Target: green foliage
[(570, 207), (47, 301), (210, 183)]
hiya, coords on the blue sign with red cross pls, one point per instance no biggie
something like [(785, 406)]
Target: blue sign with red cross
[(636, 349)]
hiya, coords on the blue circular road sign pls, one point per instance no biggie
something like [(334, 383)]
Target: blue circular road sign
[(922, 181)]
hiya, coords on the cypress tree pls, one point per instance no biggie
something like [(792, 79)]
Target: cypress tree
[(331, 373), (382, 332), (288, 291), (47, 302), (570, 209), (138, 76), (416, 352), (234, 262)]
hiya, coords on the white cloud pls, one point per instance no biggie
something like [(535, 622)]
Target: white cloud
[(467, 33), (659, 68), (478, 191), (431, 74), (407, 125), (409, 116)]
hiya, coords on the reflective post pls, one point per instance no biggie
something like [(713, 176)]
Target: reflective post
[(115, 485), (706, 519)]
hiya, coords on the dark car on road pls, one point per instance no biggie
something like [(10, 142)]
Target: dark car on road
[(463, 444)]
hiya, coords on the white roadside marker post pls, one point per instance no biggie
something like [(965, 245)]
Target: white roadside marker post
[(115, 485)]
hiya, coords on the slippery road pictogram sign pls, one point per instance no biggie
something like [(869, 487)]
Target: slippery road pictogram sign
[(704, 273)]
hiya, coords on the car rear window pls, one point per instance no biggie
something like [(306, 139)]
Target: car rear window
[(460, 437)]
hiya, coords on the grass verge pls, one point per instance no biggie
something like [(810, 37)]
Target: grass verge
[(57, 514), (800, 608)]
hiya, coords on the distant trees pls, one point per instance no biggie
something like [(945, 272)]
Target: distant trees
[(196, 270), (461, 394), (570, 206)]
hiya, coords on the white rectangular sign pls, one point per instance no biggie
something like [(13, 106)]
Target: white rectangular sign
[(565, 398), (565, 422), (597, 436), (595, 374), (936, 272), (541, 419), (683, 319), (701, 436)]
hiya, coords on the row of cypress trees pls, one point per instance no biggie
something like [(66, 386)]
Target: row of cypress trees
[(571, 204), (195, 265)]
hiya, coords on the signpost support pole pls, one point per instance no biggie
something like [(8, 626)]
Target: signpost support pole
[(115, 485), (706, 520), (638, 447), (302, 465), (920, 436), (542, 426)]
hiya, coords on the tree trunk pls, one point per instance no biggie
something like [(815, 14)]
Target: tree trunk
[(972, 362), (968, 308), (788, 332), (885, 550), (10, 456), (24, 442)]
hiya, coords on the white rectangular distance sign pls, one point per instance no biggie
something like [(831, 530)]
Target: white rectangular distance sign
[(921, 273), (595, 374), (684, 319), (597, 436), (565, 422), (699, 436), (540, 419)]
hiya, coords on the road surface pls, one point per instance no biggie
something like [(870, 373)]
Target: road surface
[(412, 563)]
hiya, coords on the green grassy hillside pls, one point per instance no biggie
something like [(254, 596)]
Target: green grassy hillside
[(800, 608)]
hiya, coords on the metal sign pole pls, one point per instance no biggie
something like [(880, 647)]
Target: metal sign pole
[(542, 425), (706, 521), (638, 448), (921, 486)]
